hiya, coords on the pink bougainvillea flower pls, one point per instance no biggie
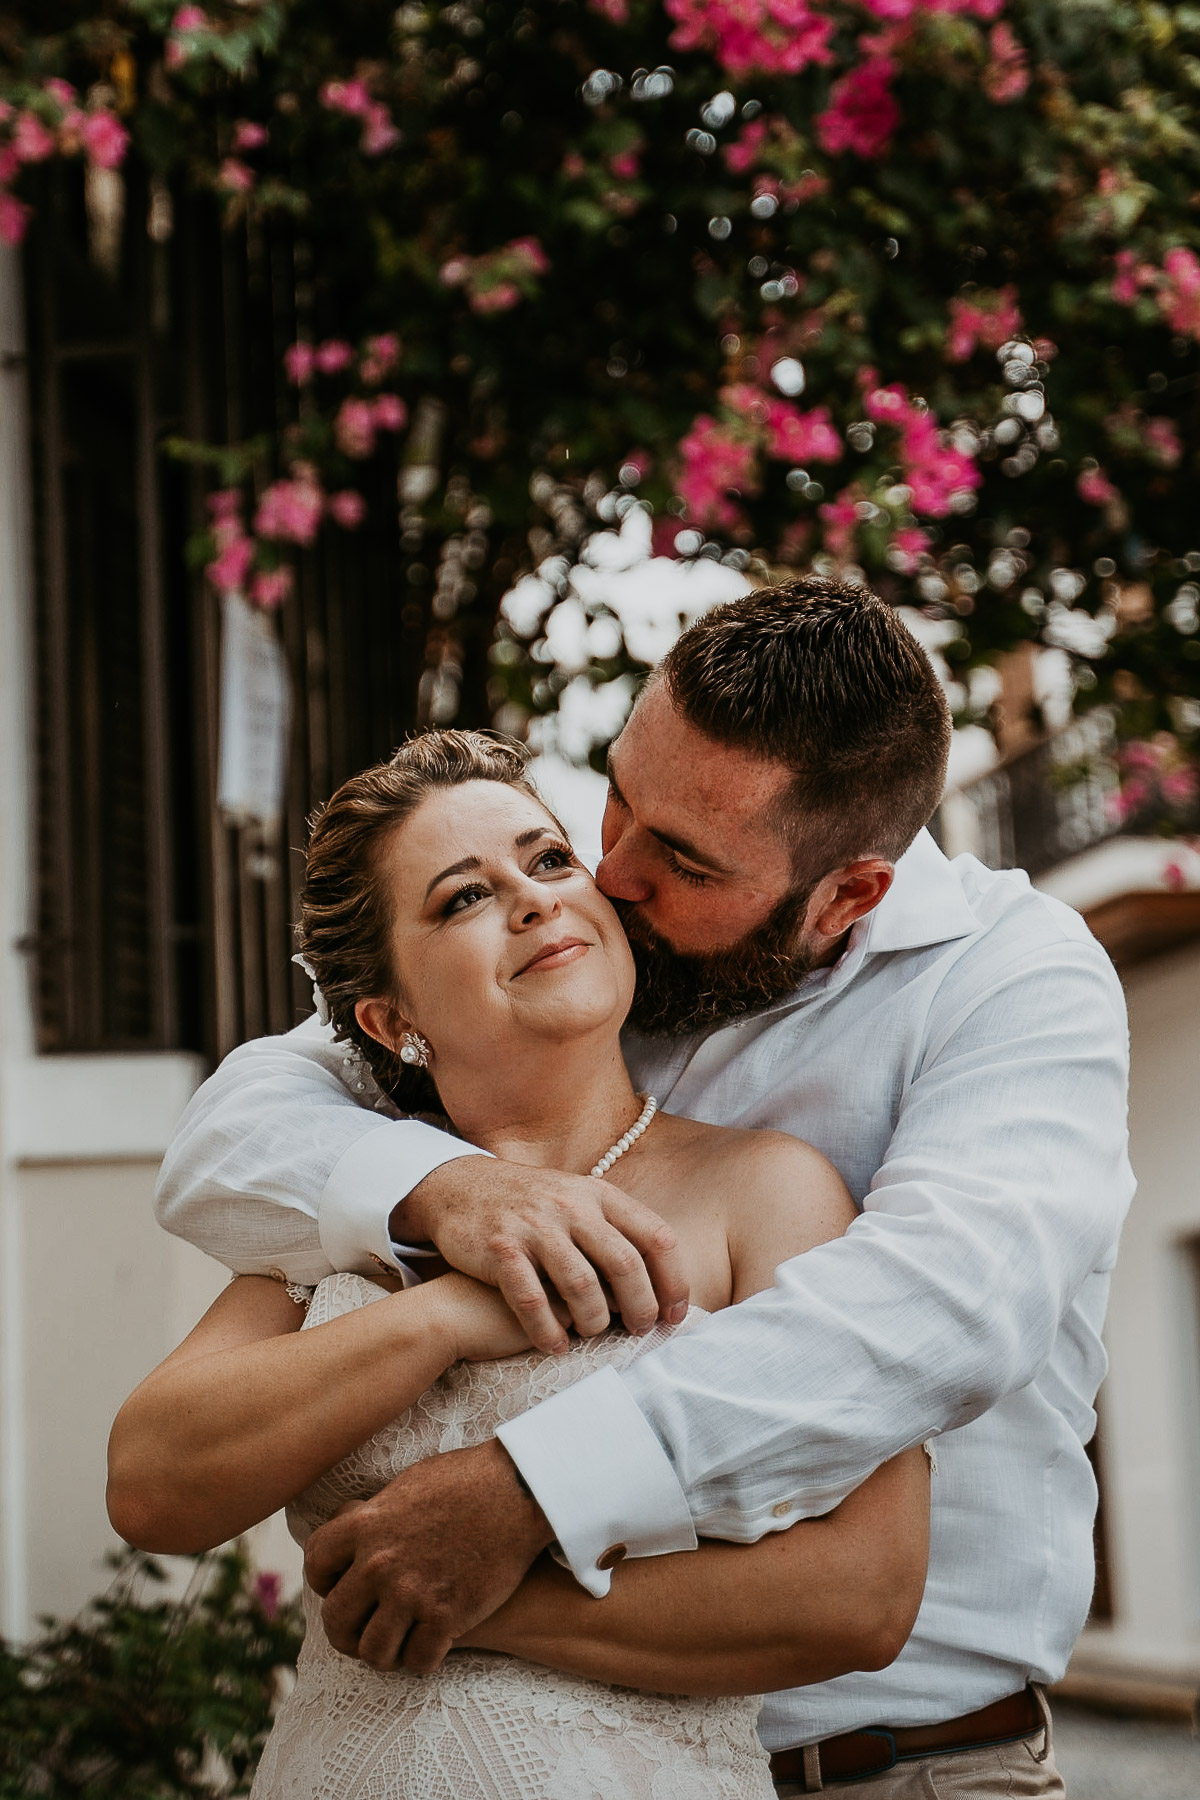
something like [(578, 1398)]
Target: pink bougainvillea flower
[(379, 358), (31, 140), (291, 510), (455, 272), (987, 319), (347, 97), (299, 360), (840, 519), (268, 1588), (331, 357), (248, 135), (389, 412), (354, 428), (615, 11), (1006, 76), (1131, 277), (906, 548), (500, 298), (234, 176), (1179, 786), (774, 36), (862, 113), (177, 51), (529, 252), (105, 139), (626, 165), (348, 508), (228, 570), (61, 91), (1179, 294), (715, 460), (1094, 487), (14, 218), (1161, 438), (935, 472), (225, 505), (801, 437), (809, 187), (269, 589), (379, 131), (743, 153)]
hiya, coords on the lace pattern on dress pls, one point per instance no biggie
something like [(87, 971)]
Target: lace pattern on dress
[(486, 1727)]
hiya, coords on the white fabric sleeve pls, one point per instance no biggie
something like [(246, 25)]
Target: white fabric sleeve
[(366, 1182), (600, 1445), (283, 1124), (1003, 1189)]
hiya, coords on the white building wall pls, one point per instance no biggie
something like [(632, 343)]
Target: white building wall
[(92, 1293), (1151, 1400)]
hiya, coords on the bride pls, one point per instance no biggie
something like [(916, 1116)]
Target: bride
[(469, 959)]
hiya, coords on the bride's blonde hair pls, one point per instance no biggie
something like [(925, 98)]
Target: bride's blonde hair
[(344, 929)]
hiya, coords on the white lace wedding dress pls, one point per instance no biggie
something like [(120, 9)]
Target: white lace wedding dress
[(485, 1727)]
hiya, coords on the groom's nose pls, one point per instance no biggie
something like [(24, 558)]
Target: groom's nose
[(621, 872)]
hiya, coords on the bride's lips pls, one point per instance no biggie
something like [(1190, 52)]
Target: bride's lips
[(556, 955)]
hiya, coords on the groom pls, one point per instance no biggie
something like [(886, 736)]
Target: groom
[(809, 961)]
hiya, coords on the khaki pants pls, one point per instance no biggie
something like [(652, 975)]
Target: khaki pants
[(1015, 1770)]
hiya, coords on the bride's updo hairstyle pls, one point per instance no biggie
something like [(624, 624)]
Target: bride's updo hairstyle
[(345, 920)]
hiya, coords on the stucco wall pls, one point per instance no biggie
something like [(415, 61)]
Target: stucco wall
[(1151, 1400)]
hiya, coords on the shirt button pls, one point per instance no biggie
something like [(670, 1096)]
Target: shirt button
[(277, 1275), (612, 1556), (782, 1509)]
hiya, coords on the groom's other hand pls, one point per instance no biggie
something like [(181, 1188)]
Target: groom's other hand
[(426, 1559), (520, 1228)]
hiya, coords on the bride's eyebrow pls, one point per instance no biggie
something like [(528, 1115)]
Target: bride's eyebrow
[(521, 842)]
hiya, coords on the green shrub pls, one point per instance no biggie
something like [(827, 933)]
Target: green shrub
[(146, 1697)]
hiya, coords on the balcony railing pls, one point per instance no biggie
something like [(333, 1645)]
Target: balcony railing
[(1042, 806)]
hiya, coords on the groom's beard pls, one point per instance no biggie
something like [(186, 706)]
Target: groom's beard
[(678, 993)]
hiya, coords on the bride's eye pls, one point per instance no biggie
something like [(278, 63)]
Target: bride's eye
[(463, 897), (556, 856)]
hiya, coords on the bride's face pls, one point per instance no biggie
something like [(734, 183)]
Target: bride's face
[(499, 935)]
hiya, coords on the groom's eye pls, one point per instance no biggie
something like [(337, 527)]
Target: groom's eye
[(692, 876)]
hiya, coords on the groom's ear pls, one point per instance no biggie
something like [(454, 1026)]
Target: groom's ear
[(849, 894), (381, 1020)]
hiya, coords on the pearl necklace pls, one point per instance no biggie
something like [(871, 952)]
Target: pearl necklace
[(629, 1140)]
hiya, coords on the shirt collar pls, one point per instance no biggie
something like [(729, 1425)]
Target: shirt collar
[(924, 905)]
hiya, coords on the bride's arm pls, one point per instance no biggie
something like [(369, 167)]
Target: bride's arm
[(829, 1596), (249, 1409)]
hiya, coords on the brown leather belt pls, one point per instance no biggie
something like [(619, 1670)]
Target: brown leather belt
[(856, 1754)]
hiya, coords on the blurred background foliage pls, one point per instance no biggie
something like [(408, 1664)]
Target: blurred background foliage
[(902, 288), (150, 1694)]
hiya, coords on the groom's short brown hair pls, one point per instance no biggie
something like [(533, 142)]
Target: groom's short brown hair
[(826, 679)]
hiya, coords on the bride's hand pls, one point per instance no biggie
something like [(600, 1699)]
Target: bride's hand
[(479, 1321)]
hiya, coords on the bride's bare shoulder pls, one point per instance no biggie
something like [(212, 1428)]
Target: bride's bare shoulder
[(778, 1195)]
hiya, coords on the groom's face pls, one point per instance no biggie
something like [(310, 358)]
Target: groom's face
[(689, 843)]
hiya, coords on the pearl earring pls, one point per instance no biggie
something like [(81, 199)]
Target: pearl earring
[(414, 1050)]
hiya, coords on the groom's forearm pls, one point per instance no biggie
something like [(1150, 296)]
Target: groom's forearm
[(827, 1597)]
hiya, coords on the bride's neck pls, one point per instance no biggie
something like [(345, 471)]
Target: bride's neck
[(558, 1108)]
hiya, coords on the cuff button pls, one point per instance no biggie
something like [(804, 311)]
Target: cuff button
[(612, 1556), (782, 1510)]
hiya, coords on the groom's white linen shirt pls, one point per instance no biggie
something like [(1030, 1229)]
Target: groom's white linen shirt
[(964, 1067)]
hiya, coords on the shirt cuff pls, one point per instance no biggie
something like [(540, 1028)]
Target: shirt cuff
[(601, 1477), (368, 1182)]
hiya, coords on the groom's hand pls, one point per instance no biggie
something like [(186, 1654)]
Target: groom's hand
[(426, 1559), (520, 1228)]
